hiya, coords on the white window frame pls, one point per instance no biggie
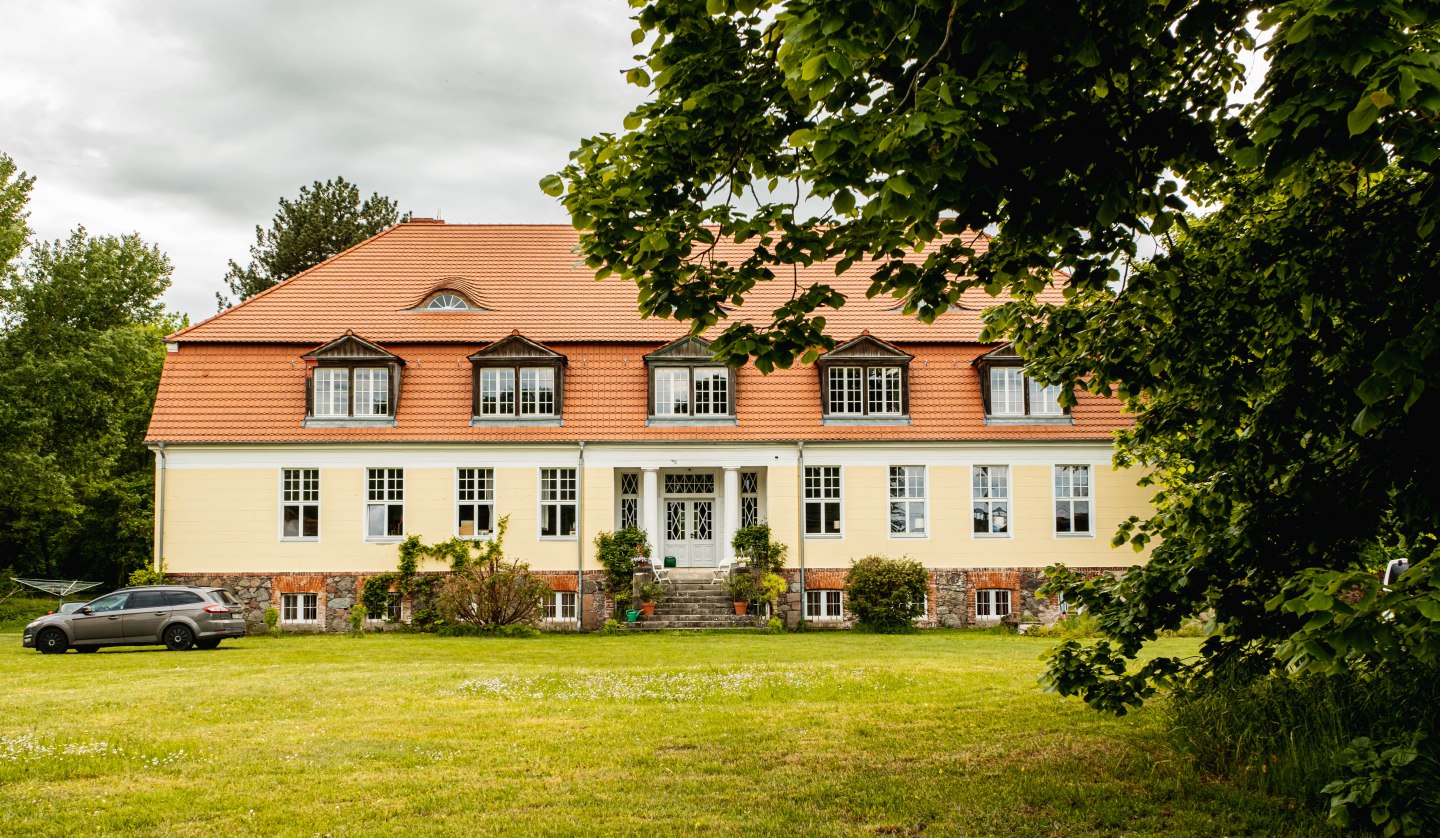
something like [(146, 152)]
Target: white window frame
[(624, 496), (909, 500), (377, 382), (484, 475), (332, 376), (556, 604), (1008, 500), (855, 384), (542, 502), (718, 388), (301, 503), (1056, 499), (1014, 380), (991, 602), (296, 603), (826, 604), (393, 600), (751, 496), (884, 377), (499, 377), (1044, 399), (822, 500), (387, 502), (667, 379)]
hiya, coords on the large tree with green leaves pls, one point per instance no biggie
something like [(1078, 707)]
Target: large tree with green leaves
[(1279, 355), (324, 219), (80, 357)]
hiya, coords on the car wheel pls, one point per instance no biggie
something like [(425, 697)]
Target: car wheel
[(207, 644), (52, 642), (178, 638), (87, 648)]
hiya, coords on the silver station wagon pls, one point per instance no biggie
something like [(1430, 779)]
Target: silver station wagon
[(178, 616)]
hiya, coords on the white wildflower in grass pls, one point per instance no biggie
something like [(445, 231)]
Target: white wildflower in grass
[(668, 685), (28, 748)]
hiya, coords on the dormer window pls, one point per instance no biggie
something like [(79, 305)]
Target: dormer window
[(865, 381), (517, 381), (1012, 396), (352, 382), (687, 386), (447, 301)]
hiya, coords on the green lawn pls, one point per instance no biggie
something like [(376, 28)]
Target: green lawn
[(940, 733)]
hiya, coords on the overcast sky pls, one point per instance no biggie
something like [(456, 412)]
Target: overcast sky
[(187, 121)]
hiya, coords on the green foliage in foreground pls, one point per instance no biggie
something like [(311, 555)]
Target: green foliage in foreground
[(821, 733), (886, 594)]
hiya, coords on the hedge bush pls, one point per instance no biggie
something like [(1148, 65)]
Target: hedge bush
[(886, 594)]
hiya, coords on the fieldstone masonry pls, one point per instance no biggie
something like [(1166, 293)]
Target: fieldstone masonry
[(951, 598)]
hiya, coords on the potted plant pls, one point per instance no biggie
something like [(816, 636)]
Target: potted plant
[(651, 593), (742, 588)]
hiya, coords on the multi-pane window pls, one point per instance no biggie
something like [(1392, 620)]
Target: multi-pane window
[(885, 384), (384, 503), (822, 500), (334, 387), (372, 392), (300, 503), (749, 498), (497, 392), (560, 606), (824, 605), (537, 391), (1013, 393), (299, 608), (475, 502), (992, 603), (990, 494), (1072, 500), (558, 502), (389, 612), (692, 391), (907, 500), (629, 499), (846, 395), (332, 392)]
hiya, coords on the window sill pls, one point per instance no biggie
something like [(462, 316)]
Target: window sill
[(830, 536), (1074, 535), (690, 421), (557, 538), (293, 540), (1029, 420), (384, 539), (865, 420), (348, 422), (511, 421), (485, 537), (912, 536)]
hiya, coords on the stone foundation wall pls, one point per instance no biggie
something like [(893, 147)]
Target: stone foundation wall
[(951, 600)]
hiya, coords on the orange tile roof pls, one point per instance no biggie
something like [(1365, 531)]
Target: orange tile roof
[(530, 278), (250, 393), (239, 376)]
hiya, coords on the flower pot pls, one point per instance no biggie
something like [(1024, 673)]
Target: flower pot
[(647, 609), (740, 608), (632, 616)]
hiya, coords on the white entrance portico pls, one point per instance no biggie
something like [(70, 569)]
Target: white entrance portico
[(692, 514)]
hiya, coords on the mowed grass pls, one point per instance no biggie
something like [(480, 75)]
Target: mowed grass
[(943, 733)]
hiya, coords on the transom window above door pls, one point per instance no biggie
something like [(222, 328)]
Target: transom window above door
[(689, 484)]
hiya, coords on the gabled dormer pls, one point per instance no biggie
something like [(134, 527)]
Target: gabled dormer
[(1011, 397), (517, 381), (865, 381), (351, 382), (687, 386)]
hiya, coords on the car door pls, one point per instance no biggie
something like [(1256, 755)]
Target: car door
[(99, 621), (144, 616)]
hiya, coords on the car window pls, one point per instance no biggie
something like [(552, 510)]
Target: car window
[(112, 602), (182, 598), (225, 597), (147, 599)]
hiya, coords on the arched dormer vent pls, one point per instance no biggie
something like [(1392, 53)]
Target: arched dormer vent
[(451, 293)]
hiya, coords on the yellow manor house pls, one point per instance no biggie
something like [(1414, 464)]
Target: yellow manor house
[(438, 377)]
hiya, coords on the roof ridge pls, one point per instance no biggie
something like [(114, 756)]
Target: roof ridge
[(217, 315)]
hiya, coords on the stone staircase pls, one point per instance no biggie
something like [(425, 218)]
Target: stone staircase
[(692, 602)]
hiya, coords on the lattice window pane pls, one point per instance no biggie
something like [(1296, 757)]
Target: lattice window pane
[(675, 520), (749, 511), (689, 484), (702, 527)]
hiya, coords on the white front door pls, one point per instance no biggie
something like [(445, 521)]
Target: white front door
[(690, 532)]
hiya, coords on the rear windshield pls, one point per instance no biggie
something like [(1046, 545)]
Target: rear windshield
[(224, 596)]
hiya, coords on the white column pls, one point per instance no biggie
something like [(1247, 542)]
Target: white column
[(732, 511), (650, 508)]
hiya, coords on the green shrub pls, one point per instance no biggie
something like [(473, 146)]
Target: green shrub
[(1363, 743), (488, 591), (357, 620), (772, 587), (1075, 626), (617, 552), (742, 587), (272, 620), (17, 610), (612, 626), (886, 594), (774, 626), (148, 576), (753, 544)]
